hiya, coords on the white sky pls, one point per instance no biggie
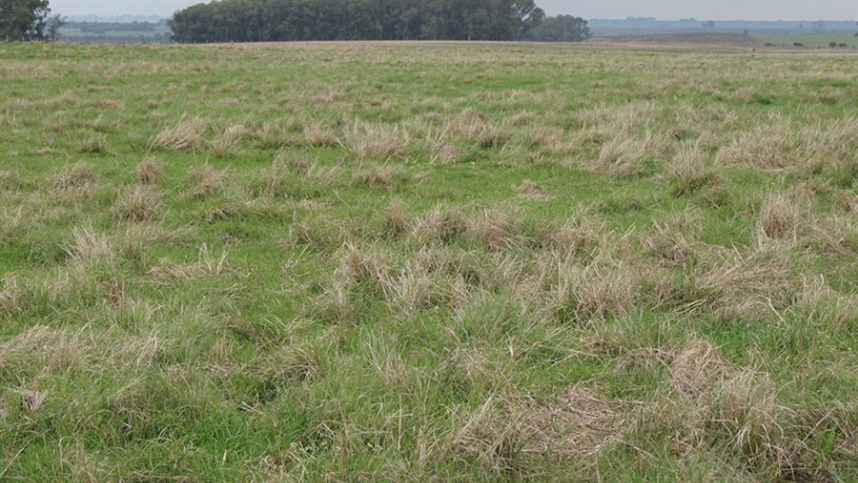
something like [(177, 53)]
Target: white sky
[(661, 9)]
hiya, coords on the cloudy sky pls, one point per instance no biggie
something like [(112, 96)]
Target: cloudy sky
[(662, 9)]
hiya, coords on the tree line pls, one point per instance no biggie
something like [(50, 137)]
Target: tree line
[(291, 20), (304, 20)]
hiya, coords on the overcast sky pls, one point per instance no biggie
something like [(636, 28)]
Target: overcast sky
[(661, 9)]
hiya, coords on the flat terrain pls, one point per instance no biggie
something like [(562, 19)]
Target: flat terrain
[(426, 261), (843, 41)]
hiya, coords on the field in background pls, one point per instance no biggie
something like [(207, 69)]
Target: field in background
[(115, 32), (850, 41), (416, 261)]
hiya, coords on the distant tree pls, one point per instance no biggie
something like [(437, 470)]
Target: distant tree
[(55, 23), (562, 28), (528, 16), (22, 20)]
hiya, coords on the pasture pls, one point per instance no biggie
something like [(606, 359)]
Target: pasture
[(428, 261), (813, 41)]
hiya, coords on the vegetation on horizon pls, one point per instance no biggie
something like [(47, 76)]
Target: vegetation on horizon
[(291, 20), (428, 261)]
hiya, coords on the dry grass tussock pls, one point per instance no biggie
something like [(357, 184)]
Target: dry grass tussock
[(79, 177), (90, 247), (149, 171), (318, 135), (187, 135), (470, 126), (621, 119), (772, 146), (710, 404), (93, 143), (627, 156), (39, 352), (733, 284), (690, 171), (296, 177), (207, 182), (559, 282), (497, 228), (697, 370), (440, 223), (426, 279), (606, 287), (137, 204), (441, 148), (818, 303), (674, 241), (367, 142), (320, 233), (396, 221), (10, 294), (226, 142), (779, 219), (14, 219)]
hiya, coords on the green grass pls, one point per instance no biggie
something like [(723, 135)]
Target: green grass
[(408, 261), (812, 40)]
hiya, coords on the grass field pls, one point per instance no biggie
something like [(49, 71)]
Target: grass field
[(427, 262), (851, 41)]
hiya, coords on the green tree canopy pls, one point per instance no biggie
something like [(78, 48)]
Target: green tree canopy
[(562, 28), (23, 19), (279, 20)]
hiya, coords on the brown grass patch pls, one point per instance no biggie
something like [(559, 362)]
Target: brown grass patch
[(497, 228), (77, 177), (606, 287), (697, 370), (90, 247), (507, 432), (735, 285), (396, 221), (187, 135), (441, 149), (318, 135), (10, 294), (441, 224), (376, 142), (622, 157), (137, 204), (226, 142), (149, 171), (93, 143), (207, 182), (769, 147), (576, 425), (779, 219), (690, 172)]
